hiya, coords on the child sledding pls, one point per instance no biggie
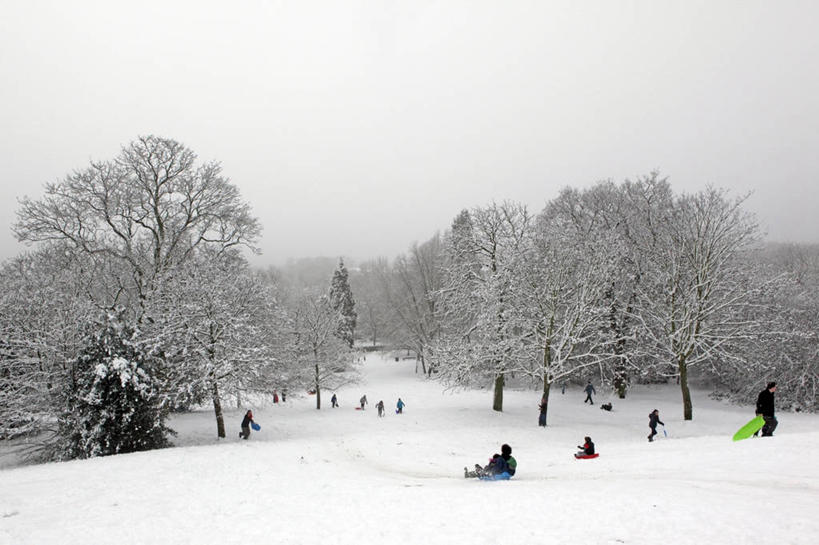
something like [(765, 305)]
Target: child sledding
[(587, 450), (500, 467)]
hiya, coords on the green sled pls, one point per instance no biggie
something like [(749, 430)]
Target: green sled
[(749, 429)]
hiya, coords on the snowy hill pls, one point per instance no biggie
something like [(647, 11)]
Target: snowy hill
[(340, 476)]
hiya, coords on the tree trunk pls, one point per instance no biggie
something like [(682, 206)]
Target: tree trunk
[(497, 401), (217, 409), (318, 388), (547, 385), (688, 410)]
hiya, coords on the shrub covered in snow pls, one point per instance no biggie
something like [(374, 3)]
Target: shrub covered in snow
[(114, 405)]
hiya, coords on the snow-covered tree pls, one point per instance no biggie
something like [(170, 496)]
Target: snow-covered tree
[(482, 340), (341, 299), (324, 359), (113, 404), (411, 287), (43, 311), (220, 332), (558, 302), (691, 310), (136, 216)]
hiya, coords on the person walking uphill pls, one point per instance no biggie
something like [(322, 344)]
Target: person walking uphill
[(363, 401), (653, 420), (589, 391), (399, 407), (246, 421), (380, 407), (765, 408), (334, 401)]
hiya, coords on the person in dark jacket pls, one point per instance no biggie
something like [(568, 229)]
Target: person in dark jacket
[(334, 401), (380, 407), (653, 420), (245, 433), (589, 391), (765, 408), (499, 463), (587, 449)]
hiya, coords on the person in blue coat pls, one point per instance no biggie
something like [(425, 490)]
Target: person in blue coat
[(399, 406)]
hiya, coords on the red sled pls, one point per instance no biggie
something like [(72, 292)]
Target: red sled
[(586, 456), (359, 409)]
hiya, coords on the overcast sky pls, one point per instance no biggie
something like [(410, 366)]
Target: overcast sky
[(355, 128)]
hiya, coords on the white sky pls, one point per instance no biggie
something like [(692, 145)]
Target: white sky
[(355, 128)]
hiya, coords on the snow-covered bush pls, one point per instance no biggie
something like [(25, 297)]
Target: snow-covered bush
[(113, 405)]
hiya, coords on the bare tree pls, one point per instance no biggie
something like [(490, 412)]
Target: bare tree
[(325, 360), (691, 309), (145, 211)]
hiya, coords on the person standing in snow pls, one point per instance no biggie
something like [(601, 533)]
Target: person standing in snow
[(334, 401), (399, 406), (653, 420), (275, 396), (246, 421), (380, 407), (589, 391), (765, 408), (363, 401), (587, 449)]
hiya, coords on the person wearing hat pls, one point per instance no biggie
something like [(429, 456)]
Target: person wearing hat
[(765, 408)]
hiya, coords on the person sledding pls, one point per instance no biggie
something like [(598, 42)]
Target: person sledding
[(653, 420), (501, 465), (587, 450), (246, 422)]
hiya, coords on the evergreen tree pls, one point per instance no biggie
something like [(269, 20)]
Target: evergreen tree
[(113, 405), (341, 299)]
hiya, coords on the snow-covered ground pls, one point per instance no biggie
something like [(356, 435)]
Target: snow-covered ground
[(340, 476)]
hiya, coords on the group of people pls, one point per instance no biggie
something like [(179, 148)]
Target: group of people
[(399, 406), (500, 465)]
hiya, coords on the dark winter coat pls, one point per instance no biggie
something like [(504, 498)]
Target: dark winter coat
[(247, 419), (765, 403), (653, 420), (589, 389), (588, 448)]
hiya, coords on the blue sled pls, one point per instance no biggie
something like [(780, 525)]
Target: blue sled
[(499, 477), (255, 426)]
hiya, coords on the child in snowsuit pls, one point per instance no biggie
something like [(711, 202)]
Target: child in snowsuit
[(499, 463), (245, 433), (653, 420), (589, 391), (363, 401), (380, 407), (399, 406), (587, 448)]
